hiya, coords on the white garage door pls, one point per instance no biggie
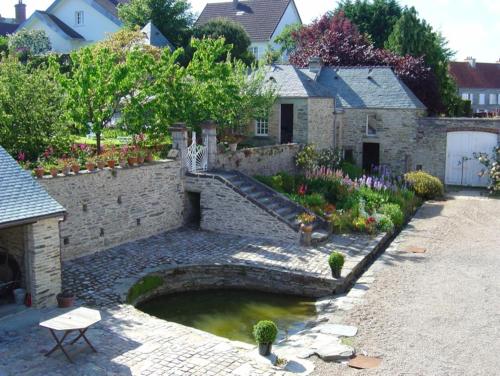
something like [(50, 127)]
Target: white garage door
[(461, 166)]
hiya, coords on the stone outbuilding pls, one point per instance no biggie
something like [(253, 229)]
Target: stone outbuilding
[(367, 112), (30, 255)]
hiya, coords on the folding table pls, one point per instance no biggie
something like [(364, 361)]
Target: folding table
[(78, 319)]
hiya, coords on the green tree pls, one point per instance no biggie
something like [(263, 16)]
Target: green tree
[(374, 18), (232, 32), (33, 42), (286, 39), (31, 109), (4, 45), (173, 18)]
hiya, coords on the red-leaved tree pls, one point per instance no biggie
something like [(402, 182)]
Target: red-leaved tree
[(337, 41)]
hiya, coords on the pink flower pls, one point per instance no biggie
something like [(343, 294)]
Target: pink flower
[(21, 156)]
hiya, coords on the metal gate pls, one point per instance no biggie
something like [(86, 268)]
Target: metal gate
[(461, 166), (197, 155)]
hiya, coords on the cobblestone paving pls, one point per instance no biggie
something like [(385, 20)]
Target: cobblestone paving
[(133, 343)]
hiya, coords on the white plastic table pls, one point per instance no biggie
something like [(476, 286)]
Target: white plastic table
[(78, 319)]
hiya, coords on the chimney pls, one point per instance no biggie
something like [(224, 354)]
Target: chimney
[(235, 4), (471, 61), (315, 64), (20, 12)]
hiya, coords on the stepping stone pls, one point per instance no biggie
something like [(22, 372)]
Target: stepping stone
[(337, 330), (364, 362), (413, 249), (335, 351)]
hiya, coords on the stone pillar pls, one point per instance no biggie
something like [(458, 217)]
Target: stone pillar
[(179, 141), (43, 251), (209, 131)]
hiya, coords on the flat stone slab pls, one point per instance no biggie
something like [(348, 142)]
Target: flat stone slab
[(414, 249), (336, 330), (364, 362), (335, 351)]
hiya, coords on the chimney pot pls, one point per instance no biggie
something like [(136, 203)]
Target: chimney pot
[(471, 61), (20, 12), (315, 64)]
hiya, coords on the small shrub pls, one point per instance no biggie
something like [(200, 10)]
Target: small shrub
[(342, 221), (336, 262), (315, 200), (265, 331), (351, 170), (306, 158), (385, 224), (373, 199), (329, 158), (425, 185), (394, 212)]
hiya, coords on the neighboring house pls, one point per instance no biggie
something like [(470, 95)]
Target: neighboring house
[(9, 25), (29, 234), (263, 20), (365, 111), (479, 83), (71, 24)]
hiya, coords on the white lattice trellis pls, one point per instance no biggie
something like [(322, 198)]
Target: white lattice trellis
[(197, 155)]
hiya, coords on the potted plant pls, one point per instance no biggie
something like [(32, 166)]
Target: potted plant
[(110, 157), (336, 262), (65, 166), (53, 169), (233, 140), (306, 220), (149, 156), (74, 164), (39, 171), (90, 164), (65, 299), (132, 156), (265, 333), (101, 162), (122, 158), (141, 156)]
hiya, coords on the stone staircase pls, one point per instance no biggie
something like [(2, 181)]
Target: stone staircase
[(271, 201)]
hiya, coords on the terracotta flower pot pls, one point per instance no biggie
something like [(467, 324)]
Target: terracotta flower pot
[(54, 171), (149, 157), (65, 302), (307, 228), (75, 168), (140, 160), (90, 166), (132, 161), (111, 164), (101, 165), (66, 170), (39, 172)]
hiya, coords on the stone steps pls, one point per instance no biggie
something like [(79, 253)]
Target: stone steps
[(273, 202)]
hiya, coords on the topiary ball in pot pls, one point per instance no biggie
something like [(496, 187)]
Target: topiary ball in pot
[(336, 262), (265, 333)]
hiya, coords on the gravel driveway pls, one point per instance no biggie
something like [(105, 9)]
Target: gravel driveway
[(436, 313)]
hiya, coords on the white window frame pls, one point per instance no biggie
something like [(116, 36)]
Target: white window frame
[(482, 99), (493, 99), (79, 18), (262, 127), (255, 51), (370, 127)]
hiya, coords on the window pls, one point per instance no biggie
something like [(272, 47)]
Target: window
[(262, 127), (255, 52), (371, 122), (482, 98), (471, 98), (79, 18), (493, 99), (465, 96)]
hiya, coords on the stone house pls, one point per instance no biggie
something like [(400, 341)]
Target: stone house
[(479, 83), (263, 20), (30, 252), (365, 111)]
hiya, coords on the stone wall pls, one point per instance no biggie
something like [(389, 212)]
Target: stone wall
[(265, 160), (320, 122), (110, 207), (225, 210), (44, 262), (432, 137)]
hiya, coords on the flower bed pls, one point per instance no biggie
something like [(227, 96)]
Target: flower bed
[(369, 204)]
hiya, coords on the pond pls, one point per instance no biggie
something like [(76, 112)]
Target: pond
[(232, 313)]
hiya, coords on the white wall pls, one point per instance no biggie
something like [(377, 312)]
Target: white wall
[(59, 43), (96, 26)]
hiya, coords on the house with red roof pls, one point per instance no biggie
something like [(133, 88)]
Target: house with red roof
[(479, 83)]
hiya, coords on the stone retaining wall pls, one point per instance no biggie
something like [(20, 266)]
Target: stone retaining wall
[(432, 138), (225, 210), (266, 160), (110, 207), (237, 276)]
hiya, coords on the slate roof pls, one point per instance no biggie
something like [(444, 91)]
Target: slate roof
[(483, 76), (7, 28), (21, 197), (350, 86), (259, 18), (51, 19)]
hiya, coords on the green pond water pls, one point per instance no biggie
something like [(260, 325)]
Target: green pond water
[(232, 313)]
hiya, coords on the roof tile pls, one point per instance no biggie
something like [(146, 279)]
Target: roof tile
[(483, 76)]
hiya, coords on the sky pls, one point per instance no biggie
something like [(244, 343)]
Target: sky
[(472, 27)]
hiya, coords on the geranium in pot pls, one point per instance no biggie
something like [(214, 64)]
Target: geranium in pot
[(101, 162), (265, 333), (336, 262), (39, 171), (306, 220), (90, 164), (65, 299), (65, 166)]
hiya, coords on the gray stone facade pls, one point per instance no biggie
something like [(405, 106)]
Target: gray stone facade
[(432, 137), (225, 210), (266, 160), (491, 101), (110, 207)]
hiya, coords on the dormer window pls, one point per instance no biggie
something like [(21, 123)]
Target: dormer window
[(79, 18)]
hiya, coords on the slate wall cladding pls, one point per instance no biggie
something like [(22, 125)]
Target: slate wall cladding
[(396, 132), (44, 262), (432, 136), (225, 210), (266, 160), (107, 208)]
